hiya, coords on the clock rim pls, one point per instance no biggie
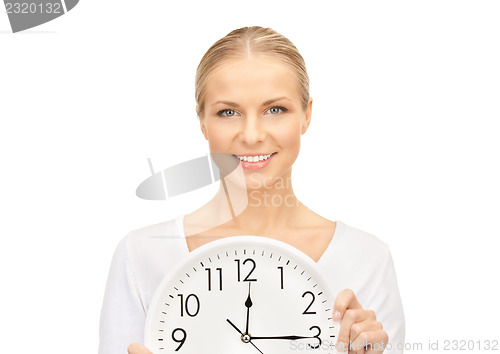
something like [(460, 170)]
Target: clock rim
[(228, 241)]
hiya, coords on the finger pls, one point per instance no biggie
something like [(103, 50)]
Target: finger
[(373, 341), (351, 317), (136, 348), (364, 326), (344, 300), (357, 345), (360, 350)]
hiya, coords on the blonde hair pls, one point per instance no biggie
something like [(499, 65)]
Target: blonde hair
[(244, 42)]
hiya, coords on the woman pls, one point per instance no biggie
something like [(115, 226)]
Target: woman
[(252, 94)]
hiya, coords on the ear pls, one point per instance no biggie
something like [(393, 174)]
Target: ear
[(203, 129), (307, 121), (202, 125)]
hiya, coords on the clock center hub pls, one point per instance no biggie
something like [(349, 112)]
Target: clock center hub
[(245, 338)]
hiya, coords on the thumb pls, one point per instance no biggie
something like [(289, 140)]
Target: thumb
[(136, 348)]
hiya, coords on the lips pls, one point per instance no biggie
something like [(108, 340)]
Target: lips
[(247, 165), (254, 157)]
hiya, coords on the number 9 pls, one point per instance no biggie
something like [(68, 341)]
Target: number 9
[(182, 340)]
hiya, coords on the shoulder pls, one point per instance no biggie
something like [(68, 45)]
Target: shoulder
[(152, 243), (359, 243), (359, 236), (153, 233)]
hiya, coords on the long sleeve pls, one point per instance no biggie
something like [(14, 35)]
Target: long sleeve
[(386, 302), (122, 315)]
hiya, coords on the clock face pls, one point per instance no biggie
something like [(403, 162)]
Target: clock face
[(243, 294)]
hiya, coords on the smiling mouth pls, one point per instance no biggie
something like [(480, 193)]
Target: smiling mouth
[(254, 158)]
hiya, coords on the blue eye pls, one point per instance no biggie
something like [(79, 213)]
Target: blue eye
[(230, 112), (276, 109)]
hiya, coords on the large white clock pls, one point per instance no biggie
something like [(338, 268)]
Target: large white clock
[(243, 294)]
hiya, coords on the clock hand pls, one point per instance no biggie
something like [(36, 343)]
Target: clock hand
[(232, 324), (249, 338), (283, 337), (248, 304)]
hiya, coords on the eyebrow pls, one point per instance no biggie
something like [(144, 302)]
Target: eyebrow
[(233, 104)]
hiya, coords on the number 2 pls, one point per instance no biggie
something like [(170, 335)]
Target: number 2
[(306, 312)]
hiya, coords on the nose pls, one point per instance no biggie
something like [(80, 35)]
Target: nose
[(252, 130)]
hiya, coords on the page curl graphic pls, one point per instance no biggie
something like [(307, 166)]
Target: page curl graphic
[(197, 173), (25, 14)]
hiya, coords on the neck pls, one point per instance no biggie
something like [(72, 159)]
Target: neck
[(258, 208)]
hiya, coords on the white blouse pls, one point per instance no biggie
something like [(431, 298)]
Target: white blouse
[(354, 259)]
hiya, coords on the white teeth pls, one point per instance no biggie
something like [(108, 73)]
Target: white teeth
[(254, 158)]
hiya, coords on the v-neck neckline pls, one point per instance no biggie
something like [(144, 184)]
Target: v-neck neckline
[(338, 227)]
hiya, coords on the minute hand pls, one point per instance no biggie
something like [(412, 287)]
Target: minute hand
[(282, 337)]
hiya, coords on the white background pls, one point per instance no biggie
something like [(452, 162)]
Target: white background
[(403, 144)]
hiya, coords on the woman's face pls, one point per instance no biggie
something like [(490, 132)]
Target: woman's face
[(253, 106)]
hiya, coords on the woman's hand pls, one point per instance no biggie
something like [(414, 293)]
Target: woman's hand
[(135, 348), (360, 332)]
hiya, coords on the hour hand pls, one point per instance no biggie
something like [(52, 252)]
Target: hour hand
[(248, 304)]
